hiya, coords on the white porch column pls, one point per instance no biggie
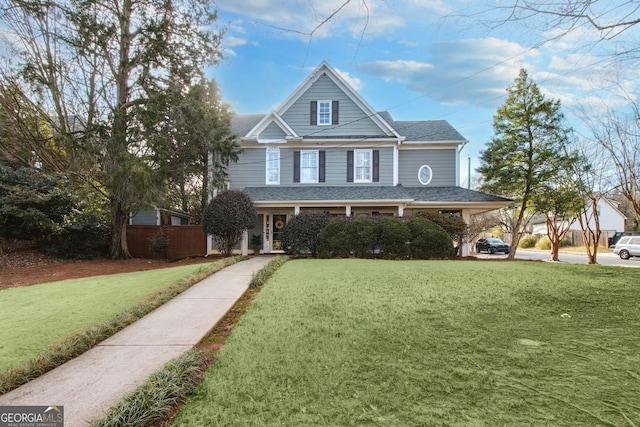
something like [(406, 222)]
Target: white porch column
[(209, 245), (296, 210), (466, 245), (348, 211), (244, 245), (400, 211)]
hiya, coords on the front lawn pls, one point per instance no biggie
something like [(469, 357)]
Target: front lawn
[(365, 342), (33, 318)]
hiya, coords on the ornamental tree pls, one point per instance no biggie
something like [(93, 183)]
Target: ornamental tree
[(227, 216)]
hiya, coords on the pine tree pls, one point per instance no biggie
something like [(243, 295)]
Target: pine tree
[(526, 152)]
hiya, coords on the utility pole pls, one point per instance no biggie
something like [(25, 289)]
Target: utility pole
[(469, 173)]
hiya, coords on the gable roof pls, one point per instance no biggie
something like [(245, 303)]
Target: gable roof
[(324, 69), (272, 117)]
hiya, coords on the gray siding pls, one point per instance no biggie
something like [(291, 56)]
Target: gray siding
[(145, 218), (273, 131), (250, 169), (441, 161), (358, 124)]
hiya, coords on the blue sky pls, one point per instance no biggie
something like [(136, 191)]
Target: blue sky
[(417, 59)]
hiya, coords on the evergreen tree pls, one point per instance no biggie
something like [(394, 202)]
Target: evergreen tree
[(94, 65), (526, 152)]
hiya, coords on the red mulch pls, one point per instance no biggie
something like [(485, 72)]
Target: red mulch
[(29, 267)]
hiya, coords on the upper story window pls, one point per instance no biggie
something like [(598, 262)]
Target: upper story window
[(363, 165), (308, 167), (324, 113), (425, 174), (273, 166)]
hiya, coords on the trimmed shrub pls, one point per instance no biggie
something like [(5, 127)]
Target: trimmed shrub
[(454, 225), (363, 236), (429, 240), (529, 241), (334, 240), (301, 232), (227, 216), (393, 237)]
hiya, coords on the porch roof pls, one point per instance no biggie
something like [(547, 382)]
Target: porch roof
[(329, 193), (389, 194)]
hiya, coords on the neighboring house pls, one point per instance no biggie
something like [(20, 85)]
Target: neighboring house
[(159, 216), (326, 149), (610, 218)]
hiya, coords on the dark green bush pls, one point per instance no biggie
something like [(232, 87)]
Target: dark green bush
[(429, 240), (363, 236), (33, 204), (393, 237), (334, 240), (87, 237), (160, 242), (227, 216), (301, 232), (453, 224)]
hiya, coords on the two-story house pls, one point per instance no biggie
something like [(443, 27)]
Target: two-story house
[(326, 149)]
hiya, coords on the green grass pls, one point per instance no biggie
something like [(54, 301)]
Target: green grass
[(364, 342), (35, 317)]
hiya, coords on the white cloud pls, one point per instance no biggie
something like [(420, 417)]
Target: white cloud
[(300, 17), (470, 71), (354, 82), (235, 41)]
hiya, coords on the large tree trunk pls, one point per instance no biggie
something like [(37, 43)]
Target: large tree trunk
[(119, 248)]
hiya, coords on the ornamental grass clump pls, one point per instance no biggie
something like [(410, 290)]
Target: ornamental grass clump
[(261, 277), (156, 398)]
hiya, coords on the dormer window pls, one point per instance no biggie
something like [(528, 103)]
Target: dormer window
[(324, 113)]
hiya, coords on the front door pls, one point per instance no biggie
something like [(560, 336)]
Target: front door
[(277, 230)]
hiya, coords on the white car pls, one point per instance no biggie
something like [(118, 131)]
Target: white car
[(627, 247)]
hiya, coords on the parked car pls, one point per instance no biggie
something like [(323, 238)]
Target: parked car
[(627, 247), (492, 245), (613, 240)]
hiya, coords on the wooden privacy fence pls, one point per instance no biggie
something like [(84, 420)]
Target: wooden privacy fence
[(183, 241)]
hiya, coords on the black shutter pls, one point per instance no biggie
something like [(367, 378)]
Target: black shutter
[(376, 166), (296, 166), (321, 157), (350, 166), (313, 118), (334, 112)]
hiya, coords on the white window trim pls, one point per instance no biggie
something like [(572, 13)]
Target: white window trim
[(302, 167), (355, 166), (272, 150), (430, 174), (318, 112)]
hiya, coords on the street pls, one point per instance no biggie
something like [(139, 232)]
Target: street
[(605, 257)]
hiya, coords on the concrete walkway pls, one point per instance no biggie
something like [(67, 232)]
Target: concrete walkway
[(90, 384)]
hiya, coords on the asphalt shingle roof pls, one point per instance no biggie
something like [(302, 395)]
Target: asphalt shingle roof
[(355, 193), (451, 194), (312, 193), (417, 130)]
